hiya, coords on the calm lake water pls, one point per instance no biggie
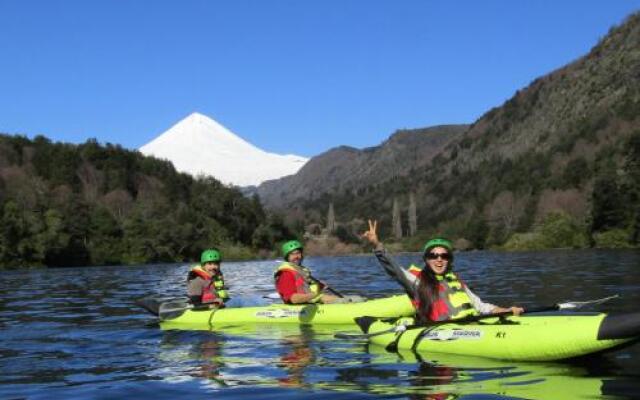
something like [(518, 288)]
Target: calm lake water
[(76, 334)]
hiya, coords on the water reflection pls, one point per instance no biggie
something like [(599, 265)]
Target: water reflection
[(310, 359), (447, 377), (76, 333), (295, 361)]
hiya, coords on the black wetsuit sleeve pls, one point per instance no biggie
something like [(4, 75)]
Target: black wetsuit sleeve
[(394, 270)]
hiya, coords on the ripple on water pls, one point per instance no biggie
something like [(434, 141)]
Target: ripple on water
[(75, 333)]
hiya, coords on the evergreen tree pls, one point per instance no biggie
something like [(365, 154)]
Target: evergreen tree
[(396, 220), (331, 220), (412, 216)]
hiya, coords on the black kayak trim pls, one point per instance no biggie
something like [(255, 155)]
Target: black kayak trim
[(620, 326), (365, 323)]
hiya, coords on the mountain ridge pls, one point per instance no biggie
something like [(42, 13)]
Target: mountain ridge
[(346, 167)]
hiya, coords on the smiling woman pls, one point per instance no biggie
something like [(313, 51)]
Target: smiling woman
[(436, 290)]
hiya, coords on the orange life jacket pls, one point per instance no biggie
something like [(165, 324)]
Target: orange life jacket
[(304, 283), (215, 288)]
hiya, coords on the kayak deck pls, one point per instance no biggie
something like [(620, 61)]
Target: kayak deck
[(524, 338), (302, 314)]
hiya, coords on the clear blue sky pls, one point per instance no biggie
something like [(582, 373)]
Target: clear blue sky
[(289, 76)]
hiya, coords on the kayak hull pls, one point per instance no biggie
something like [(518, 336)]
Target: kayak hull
[(524, 338), (303, 314)]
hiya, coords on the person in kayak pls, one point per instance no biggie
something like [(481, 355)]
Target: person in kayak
[(437, 292), (205, 282), (294, 282)]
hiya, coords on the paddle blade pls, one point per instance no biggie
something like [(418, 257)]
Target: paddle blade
[(173, 309), (150, 304)]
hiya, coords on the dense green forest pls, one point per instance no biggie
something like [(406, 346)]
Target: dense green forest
[(93, 204)]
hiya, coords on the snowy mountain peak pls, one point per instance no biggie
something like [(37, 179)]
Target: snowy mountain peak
[(200, 145)]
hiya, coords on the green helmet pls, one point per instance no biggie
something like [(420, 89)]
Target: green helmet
[(290, 246), (210, 255), (437, 242)]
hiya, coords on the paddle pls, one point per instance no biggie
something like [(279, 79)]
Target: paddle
[(173, 309), (325, 286), (152, 304), (569, 305)]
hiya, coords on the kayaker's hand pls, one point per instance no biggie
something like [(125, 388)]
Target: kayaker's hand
[(371, 234), (513, 310), (516, 310)]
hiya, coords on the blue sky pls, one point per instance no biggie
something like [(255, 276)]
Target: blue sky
[(289, 76)]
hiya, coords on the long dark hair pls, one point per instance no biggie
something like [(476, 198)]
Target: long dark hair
[(428, 288)]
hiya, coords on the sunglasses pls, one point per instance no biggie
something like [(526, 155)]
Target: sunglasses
[(434, 256)]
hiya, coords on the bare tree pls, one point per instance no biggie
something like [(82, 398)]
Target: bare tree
[(505, 210), (413, 219), (396, 222), (119, 202), (331, 219)]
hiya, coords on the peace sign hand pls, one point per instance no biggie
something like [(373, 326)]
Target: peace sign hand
[(371, 234)]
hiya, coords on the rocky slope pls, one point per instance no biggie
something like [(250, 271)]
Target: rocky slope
[(350, 169)]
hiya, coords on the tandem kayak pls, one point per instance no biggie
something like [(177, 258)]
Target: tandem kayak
[(301, 314), (523, 338)]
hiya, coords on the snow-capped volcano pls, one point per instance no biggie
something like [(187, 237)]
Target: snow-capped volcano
[(200, 145)]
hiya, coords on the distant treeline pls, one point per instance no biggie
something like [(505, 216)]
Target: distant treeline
[(93, 204), (518, 204)]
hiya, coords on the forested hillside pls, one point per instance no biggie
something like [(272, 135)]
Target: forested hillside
[(89, 204), (557, 165)]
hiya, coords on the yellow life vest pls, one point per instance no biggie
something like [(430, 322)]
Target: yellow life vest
[(452, 302), (415, 270)]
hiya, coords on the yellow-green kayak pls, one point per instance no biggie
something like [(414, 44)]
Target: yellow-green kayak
[(302, 314), (523, 338)]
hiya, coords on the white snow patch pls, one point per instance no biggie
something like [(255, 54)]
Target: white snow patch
[(199, 145)]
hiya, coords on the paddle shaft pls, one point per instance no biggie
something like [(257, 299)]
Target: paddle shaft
[(327, 287), (474, 318)]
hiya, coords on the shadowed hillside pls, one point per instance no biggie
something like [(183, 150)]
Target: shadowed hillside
[(559, 160), (349, 169)]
